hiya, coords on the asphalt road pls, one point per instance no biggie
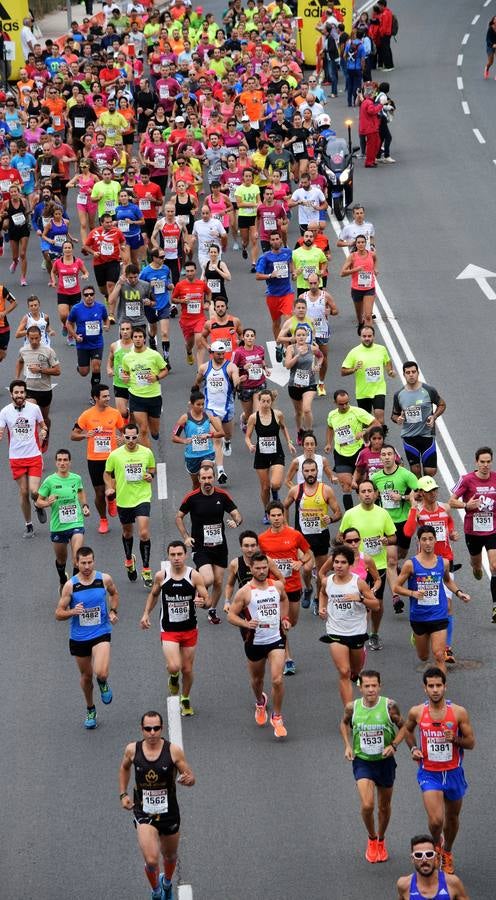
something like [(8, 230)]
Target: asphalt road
[(266, 820)]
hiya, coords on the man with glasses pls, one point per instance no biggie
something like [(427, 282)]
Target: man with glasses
[(428, 880), (85, 324), (156, 812), (128, 476)]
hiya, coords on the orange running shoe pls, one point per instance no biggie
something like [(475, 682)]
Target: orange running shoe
[(103, 526), (371, 851), (261, 711), (382, 854), (277, 723), (112, 507), (447, 862)]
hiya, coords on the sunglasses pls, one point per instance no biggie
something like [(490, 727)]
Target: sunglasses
[(150, 728), (88, 293), (352, 540), (130, 437), (423, 854)]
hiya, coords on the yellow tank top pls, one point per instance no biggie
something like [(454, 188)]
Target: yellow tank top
[(312, 511)]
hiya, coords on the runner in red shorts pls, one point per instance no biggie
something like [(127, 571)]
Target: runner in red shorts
[(182, 589), (193, 295)]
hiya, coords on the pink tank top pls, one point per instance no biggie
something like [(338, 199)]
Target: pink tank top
[(365, 280), (359, 568)]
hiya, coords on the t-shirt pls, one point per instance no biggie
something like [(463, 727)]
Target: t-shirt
[(276, 262), (309, 260), (139, 365), (314, 196), (206, 512), (130, 304), (21, 425), (106, 244), (401, 480), (98, 446), (481, 521), (128, 468), (346, 426), (195, 293), (107, 195), (372, 524), (158, 279), (416, 406), (89, 323), (44, 356), (283, 548), (68, 276), (351, 230), (65, 512), (267, 219), (247, 194), (369, 378)]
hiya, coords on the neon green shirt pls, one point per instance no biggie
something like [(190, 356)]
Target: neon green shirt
[(310, 261), (369, 378), (139, 366), (119, 353), (401, 480), (106, 194), (372, 524), (114, 124), (247, 194), (128, 468), (66, 512), (346, 426)]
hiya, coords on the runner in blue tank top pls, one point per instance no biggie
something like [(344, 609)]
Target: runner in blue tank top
[(84, 601), (428, 882)]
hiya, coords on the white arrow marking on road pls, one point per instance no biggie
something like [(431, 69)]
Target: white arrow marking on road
[(279, 374), (480, 276)]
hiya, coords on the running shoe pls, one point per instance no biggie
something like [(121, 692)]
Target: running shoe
[(412, 639), (242, 423), (166, 889), (227, 447), (277, 723), (457, 567), (190, 359), (235, 246), (13, 265), (382, 854), (112, 507), (213, 618), (375, 642), (173, 311), (493, 618), (299, 437), (389, 159), (315, 607), (174, 684), (24, 282), (130, 565), (186, 708), (321, 389), (289, 667), (266, 520), (449, 656), (447, 862), (222, 477), (71, 342), (147, 578), (371, 851), (307, 598), (90, 720), (28, 532), (152, 343), (105, 692), (111, 320), (478, 574), (64, 331), (486, 72), (261, 711), (42, 516), (279, 353), (398, 604), (103, 526), (253, 268), (244, 253)]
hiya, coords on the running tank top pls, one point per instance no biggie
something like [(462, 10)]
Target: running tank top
[(94, 621), (359, 568), (17, 215), (42, 325), (434, 604), (57, 233), (215, 282), (310, 511), (344, 617), (316, 311), (244, 572), (171, 234), (365, 280), (155, 791), (303, 375), (184, 215), (442, 888), (226, 333), (219, 390), (316, 458), (438, 753), (119, 354), (264, 606), (178, 601), (268, 439), (201, 445), (372, 727)]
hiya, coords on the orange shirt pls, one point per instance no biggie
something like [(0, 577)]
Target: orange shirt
[(253, 103), (107, 421), (57, 109), (283, 548)]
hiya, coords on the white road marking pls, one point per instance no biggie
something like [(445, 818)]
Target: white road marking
[(459, 59), (479, 136), (487, 3), (465, 107), (459, 83), (278, 374), (185, 892), (162, 481), (465, 39), (174, 720), (475, 20), (479, 275)]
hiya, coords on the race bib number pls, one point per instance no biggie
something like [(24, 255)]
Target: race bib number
[(158, 285), (365, 279), (133, 308), (164, 92), (308, 270), (59, 239), (110, 206), (255, 373), (345, 435), (310, 522), (372, 742), (57, 121), (483, 521), (170, 242), (82, 199), (388, 501), (45, 170), (430, 590), (285, 567), (25, 175), (413, 415), (111, 132), (267, 444), (216, 385), (268, 614), (193, 307), (68, 513), (269, 223), (18, 219), (178, 610), (22, 433), (106, 249), (90, 617), (321, 328), (214, 285), (133, 471), (372, 545), (30, 374), (212, 535), (92, 328), (144, 204), (156, 802), (298, 147), (341, 607), (200, 443), (141, 376), (302, 378), (69, 281), (159, 162), (122, 225), (79, 122), (440, 530), (373, 374), (101, 444), (281, 269), (439, 751)]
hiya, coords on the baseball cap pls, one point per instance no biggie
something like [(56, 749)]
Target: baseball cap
[(179, 119), (245, 118), (218, 347), (427, 483)]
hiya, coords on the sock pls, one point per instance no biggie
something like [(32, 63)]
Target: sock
[(91, 708), (493, 588), (95, 378), (275, 493), (174, 676), (183, 697), (128, 546), (61, 572), (165, 349), (169, 869), (29, 525), (152, 873), (347, 501), (451, 623), (145, 547)]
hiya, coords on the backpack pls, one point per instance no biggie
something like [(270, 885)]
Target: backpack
[(395, 26)]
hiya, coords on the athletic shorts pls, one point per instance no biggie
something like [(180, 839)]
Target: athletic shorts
[(211, 557), (96, 468), (246, 394), (429, 627), (68, 299), (357, 295), (322, 341), (193, 465), (319, 543), (296, 393), (421, 450), (183, 638), (294, 596), (165, 825), (149, 226), (280, 307), (43, 398), (64, 537), (345, 463), (228, 415), (108, 271), (84, 648), (476, 542), (4, 339), (129, 514), (189, 329), (380, 591), (246, 221), (155, 315), (257, 652), (353, 641), (150, 405), (450, 781), (381, 771), (401, 539), (371, 403), (84, 357), (134, 241), (121, 392), (31, 466), (264, 461)]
